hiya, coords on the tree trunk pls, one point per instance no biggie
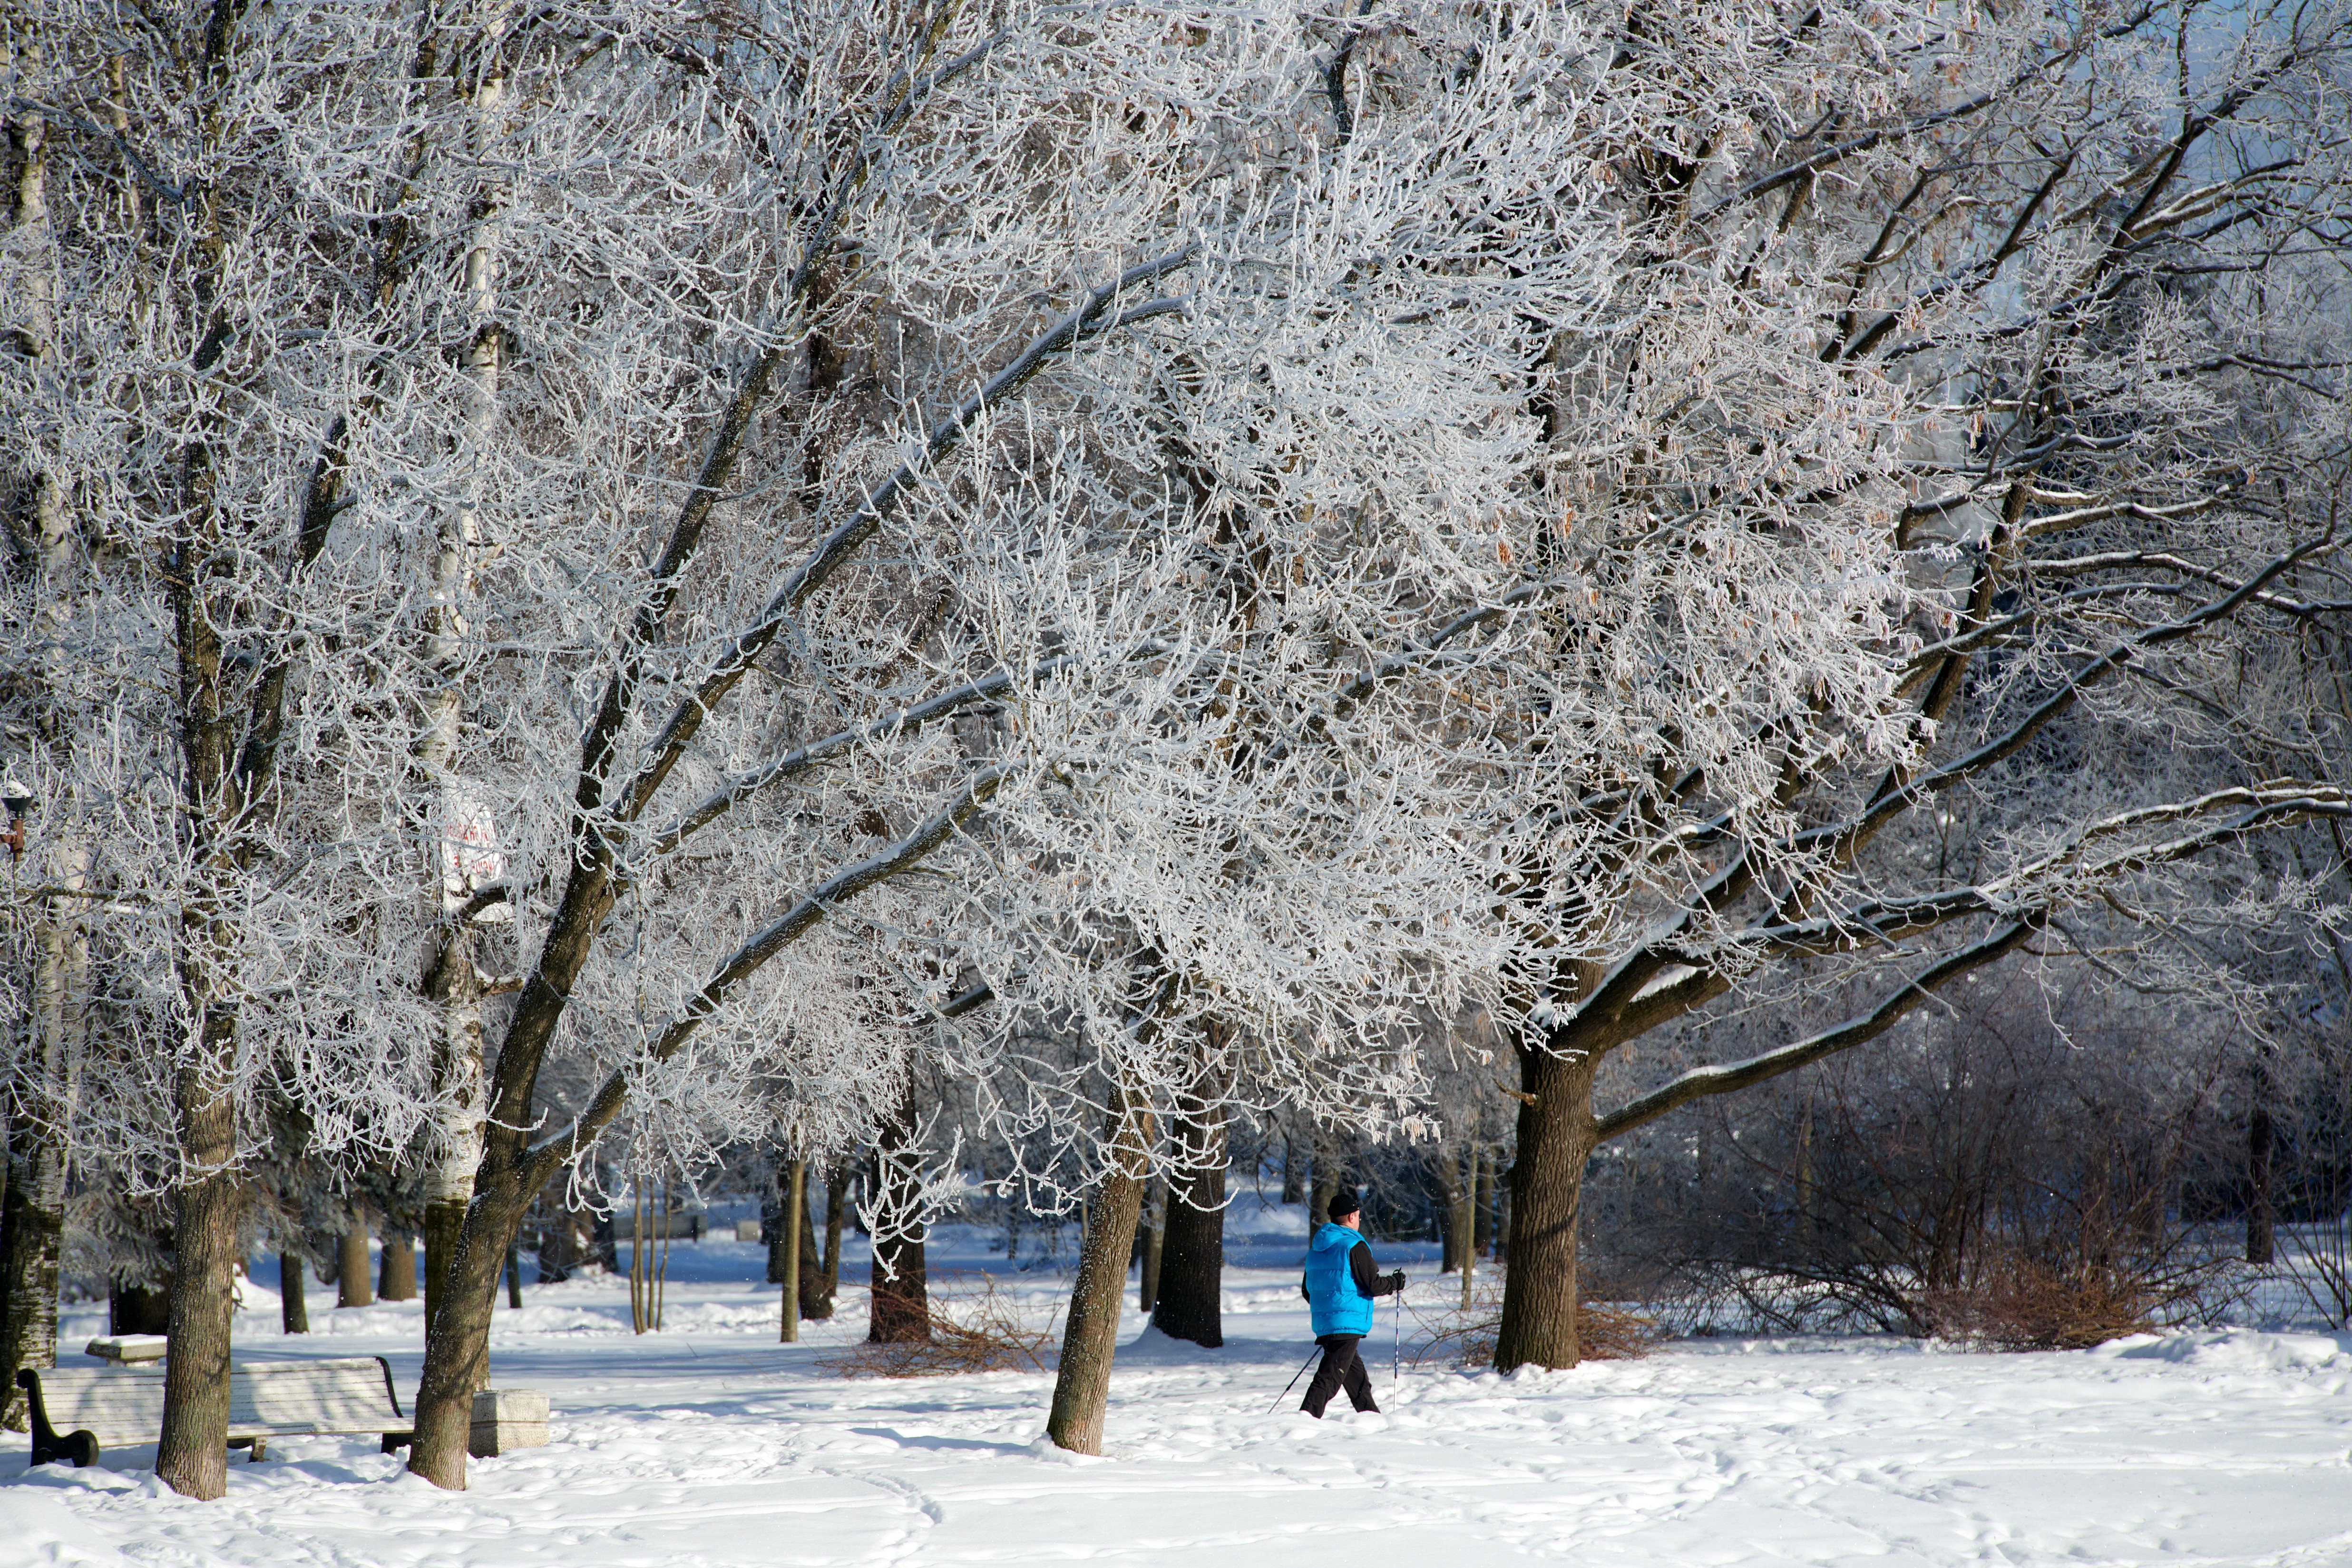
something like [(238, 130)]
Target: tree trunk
[(1547, 1186), (514, 1272), (32, 1229), (1482, 1202), (453, 979), (455, 985), (816, 1301), (772, 1222), (1090, 1334), (140, 1308), (396, 1280), (1445, 1202), (1805, 1205), (640, 1265), (607, 1242), (1192, 1269), (588, 1233), (795, 1219), (351, 1286), (31, 1223), (899, 1290), (293, 1306), (457, 1342), (836, 1192), (40, 1118), (559, 1242), (1325, 1183), (1295, 1161), (900, 1293), (2259, 1213), (1467, 1219), (1155, 1243), (192, 1457)]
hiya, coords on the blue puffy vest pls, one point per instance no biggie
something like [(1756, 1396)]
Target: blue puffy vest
[(1338, 1306)]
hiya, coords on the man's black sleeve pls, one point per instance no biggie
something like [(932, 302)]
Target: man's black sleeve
[(1368, 1278)]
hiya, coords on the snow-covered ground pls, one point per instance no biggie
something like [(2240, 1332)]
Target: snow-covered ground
[(709, 1444)]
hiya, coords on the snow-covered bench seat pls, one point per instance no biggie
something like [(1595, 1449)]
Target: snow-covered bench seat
[(77, 1414)]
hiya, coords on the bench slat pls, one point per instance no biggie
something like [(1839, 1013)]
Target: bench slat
[(315, 1398), (120, 1407), (124, 1406)]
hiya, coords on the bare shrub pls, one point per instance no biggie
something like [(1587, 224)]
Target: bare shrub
[(987, 1333), (1465, 1336), (2010, 1176), (2021, 1304)]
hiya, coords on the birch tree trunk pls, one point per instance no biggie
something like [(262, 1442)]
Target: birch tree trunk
[(453, 979), (455, 984)]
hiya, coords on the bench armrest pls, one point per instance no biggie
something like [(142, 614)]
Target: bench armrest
[(48, 1443), (389, 1391)]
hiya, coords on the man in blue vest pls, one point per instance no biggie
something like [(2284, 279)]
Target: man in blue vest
[(1340, 1285)]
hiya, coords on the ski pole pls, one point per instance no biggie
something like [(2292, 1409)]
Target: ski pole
[(1396, 1345), (1292, 1383)]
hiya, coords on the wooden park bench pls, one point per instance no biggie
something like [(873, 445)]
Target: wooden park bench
[(77, 1414), (683, 1225)]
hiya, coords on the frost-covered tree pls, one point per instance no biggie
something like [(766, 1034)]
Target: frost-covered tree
[(1968, 468), (176, 429)]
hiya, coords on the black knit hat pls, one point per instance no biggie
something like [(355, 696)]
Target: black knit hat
[(1344, 1205)]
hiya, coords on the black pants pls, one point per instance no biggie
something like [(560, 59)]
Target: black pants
[(1341, 1367)]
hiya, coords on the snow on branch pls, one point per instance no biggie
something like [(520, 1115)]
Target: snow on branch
[(1705, 1081)]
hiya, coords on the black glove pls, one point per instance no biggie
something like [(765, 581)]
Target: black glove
[(1396, 1282)]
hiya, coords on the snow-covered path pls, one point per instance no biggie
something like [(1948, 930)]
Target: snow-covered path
[(709, 1444)]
